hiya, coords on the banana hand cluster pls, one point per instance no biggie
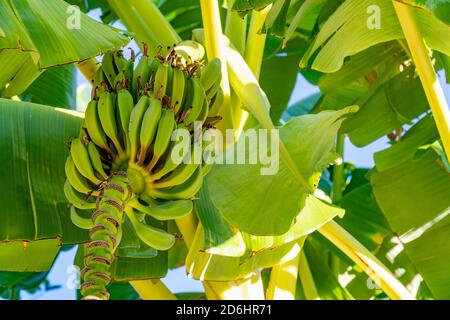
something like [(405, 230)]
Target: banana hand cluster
[(121, 166)]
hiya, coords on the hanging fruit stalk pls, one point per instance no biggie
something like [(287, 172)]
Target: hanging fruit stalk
[(121, 164)]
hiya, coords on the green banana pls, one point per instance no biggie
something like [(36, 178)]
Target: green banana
[(119, 60), (180, 175), (167, 211), (76, 179), (142, 73), (134, 129), (186, 190), (178, 89), (96, 160), (125, 104), (107, 115), (94, 127), (213, 90), (153, 237), (204, 112), (79, 221), (98, 80), (149, 126), (82, 160), (216, 103), (211, 74), (165, 128), (160, 87), (109, 67), (196, 103), (78, 200)]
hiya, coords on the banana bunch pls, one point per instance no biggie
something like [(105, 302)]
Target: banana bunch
[(122, 165)]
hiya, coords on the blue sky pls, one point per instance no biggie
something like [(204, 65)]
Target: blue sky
[(176, 280)]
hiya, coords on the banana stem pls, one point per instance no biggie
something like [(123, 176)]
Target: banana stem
[(424, 66), (366, 261), (152, 290), (161, 29), (134, 22), (187, 226), (235, 28), (254, 53), (88, 68), (215, 49), (307, 279), (256, 41), (283, 277)]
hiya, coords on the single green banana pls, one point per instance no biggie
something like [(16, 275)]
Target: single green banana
[(107, 115), (109, 67), (180, 175), (213, 90), (161, 84), (119, 60), (78, 200), (149, 126), (204, 113), (178, 89), (134, 129), (211, 74), (186, 190), (98, 80), (76, 179), (167, 211), (142, 73), (96, 160), (125, 104), (196, 104), (169, 163), (79, 221), (216, 103), (151, 236), (165, 128), (82, 160), (94, 127)]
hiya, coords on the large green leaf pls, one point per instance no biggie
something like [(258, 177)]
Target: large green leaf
[(246, 198), (414, 199), (34, 145), (55, 87), (35, 256), (440, 8), (346, 32), (388, 107), (279, 85), (44, 28), (206, 262), (422, 133)]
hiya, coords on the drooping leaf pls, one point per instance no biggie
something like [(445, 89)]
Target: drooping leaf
[(279, 85), (393, 104), (220, 237), (34, 256), (276, 199), (422, 133), (55, 87), (51, 31), (414, 199), (353, 28), (440, 8), (33, 140)]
